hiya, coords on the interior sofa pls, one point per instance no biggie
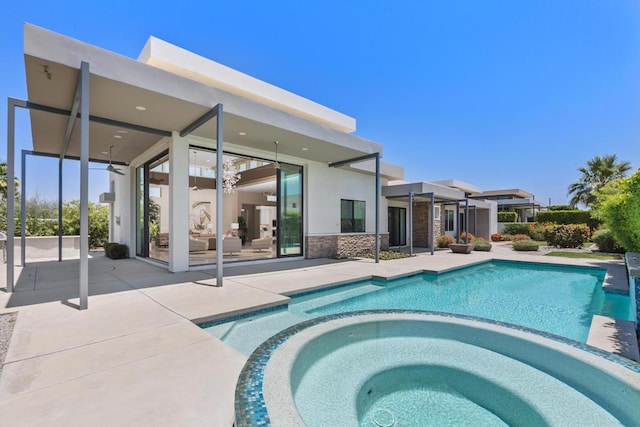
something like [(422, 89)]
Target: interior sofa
[(261, 243), (231, 245), (196, 245)]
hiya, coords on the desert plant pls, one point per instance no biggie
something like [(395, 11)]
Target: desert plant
[(567, 235), (598, 173), (519, 237), (463, 237), (507, 216), (481, 245), (444, 241), (606, 241), (497, 237), (525, 245)]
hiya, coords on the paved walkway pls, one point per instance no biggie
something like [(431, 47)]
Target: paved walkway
[(135, 357)]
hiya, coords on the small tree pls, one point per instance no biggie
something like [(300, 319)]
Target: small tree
[(619, 208), (598, 173)]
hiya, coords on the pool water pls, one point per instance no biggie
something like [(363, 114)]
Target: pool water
[(556, 299)]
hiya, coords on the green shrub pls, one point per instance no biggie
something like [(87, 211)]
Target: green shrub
[(519, 237), (116, 251), (619, 208), (525, 245), (507, 216), (536, 230), (606, 241), (568, 217), (567, 235), (516, 228), (561, 208), (481, 245), (444, 241)]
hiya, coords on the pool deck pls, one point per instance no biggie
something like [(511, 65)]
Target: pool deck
[(135, 357)]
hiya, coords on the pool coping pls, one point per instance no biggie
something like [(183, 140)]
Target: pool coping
[(250, 403)]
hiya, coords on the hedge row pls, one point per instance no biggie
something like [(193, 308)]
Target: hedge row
[(507, 216), (568, 217)]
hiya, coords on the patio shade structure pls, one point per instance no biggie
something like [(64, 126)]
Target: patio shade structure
[(81, 97)]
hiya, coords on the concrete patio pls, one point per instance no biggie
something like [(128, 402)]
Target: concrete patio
[(136, 357)]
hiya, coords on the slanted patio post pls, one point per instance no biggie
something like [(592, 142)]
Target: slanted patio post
[(432, 215), (23, 208), (410, 223), (475, 220), (84, 186)]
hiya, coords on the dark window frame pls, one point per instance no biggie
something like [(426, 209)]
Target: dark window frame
[(351, 224)]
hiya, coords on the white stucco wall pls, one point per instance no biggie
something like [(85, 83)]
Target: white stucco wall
[(327, 186)]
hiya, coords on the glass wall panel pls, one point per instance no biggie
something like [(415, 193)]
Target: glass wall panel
[(140, 217), (290, 224), (158, 208)]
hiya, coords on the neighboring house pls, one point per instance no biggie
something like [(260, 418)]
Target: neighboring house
[(513, 200), (453, 212)]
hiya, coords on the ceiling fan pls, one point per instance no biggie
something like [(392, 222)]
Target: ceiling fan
[(110, 167)]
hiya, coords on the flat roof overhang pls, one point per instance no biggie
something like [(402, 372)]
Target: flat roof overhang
[(441, 194), (119, 84), (520, 203)]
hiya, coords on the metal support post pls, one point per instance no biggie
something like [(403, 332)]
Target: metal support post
[(458, 224), (377, 208), (432, 215), (466, 220), (23, 208), (60, 209), (219, 195), (410, 223), (84, 185)]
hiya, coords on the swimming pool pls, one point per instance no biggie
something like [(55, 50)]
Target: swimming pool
[(551, 298)]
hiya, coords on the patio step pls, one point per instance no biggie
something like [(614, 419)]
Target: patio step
[(615, 336)]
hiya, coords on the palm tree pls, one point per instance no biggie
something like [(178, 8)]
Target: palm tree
[(4, 183), (598, 172)]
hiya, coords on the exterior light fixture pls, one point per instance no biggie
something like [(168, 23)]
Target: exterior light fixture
[(276, 165)]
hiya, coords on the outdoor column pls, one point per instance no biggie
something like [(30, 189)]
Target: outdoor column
[(410, 223), (23, 208), (466, 220), (432, 215), (11, 189), (458, 224), (178, 203), (219, 196), (84, 185), (378, 208)]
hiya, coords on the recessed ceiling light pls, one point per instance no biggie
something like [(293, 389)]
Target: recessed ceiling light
[(208, 161), (117, 136), (122, 131), (242, 133), (141, 108), (104, 152), (305, 149)]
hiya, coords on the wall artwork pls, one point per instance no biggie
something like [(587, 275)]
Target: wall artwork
[(200, 216)]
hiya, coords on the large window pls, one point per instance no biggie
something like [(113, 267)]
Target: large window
[(352, 216)]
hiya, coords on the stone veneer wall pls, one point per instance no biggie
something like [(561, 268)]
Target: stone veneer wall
[(343, 245), (421, 225)]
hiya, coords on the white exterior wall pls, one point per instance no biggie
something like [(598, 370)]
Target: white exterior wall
[(123, 209), (327, 186)]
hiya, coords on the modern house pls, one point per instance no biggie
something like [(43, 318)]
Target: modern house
[(209, 165), (516, 200)]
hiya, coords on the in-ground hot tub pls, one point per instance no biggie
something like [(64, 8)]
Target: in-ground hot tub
[(394, 368)]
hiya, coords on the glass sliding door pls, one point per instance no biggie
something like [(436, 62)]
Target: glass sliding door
[(152, 204), (141, 214), (397, 226), (289, 224)]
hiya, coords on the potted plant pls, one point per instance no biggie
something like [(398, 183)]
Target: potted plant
[(242, 228)]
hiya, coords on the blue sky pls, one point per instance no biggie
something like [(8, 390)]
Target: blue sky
[(501, 94)]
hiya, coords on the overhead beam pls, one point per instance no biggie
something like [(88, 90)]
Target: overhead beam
[(354, 160), (215, 111), (39, 153), (72, 121), (97, 119)]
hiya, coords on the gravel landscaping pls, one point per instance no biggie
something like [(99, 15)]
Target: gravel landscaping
[(7, 321)]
